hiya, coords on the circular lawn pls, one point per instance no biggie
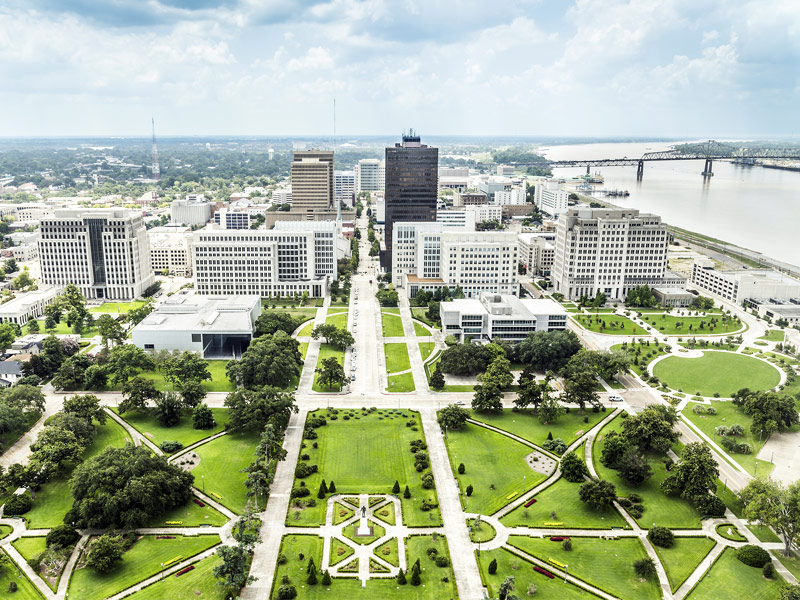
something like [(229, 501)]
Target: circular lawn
[(716, 372)]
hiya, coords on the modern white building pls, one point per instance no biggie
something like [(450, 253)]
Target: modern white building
[(283, 196), (370, 175), (500, 316), (428, 255), (492, 185), (466, 217), (537, 251), (171, 250), (213, 327), (28, 306), (192, 211), (550, 198), (514, 196), (380, 209), (230, 219), (740, 286), (344, 187), (105, 252), (34, 212), (610, 251), (295, 257)]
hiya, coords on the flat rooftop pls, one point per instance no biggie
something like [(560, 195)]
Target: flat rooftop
[(202, 314)]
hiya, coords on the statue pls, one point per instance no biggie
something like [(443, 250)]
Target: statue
[(363, 512)]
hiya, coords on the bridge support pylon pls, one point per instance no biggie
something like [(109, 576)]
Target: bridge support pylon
[(707, 172), (639, 170)]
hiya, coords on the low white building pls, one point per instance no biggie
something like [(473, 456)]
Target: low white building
[(500, 316), (212, 326), (192, 211), (514, 196), (466, 217), (550, 198), (232, 219), (537, 252), (28, 306), (741, 286)]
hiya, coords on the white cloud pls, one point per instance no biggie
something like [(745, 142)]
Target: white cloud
[(315, 59)]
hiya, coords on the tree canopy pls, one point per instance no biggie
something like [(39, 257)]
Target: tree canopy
[(272, 360), (254, 409), (653, 428), (770, 411), (548, 350)]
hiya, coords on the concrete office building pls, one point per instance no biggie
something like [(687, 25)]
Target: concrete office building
[(610, 251), (29, 305), (370, 175), (171, 250), (492, 185), (550, 198), (500, 316), (295, 257), (312, 182), (514, 196), (104, 252), (232, 219), (673, 297), (742, 286), (344, 187), (213, 327), (411, 186), (283, 196), (537, 252), (469, 198), (466, 217), (34, 212), (193, 211), (429, 256)]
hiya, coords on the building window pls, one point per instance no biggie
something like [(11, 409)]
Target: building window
[(196, 337)]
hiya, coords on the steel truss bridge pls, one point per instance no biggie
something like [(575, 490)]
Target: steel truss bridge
[(708, 152)]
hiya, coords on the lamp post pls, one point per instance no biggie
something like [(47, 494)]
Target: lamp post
[(162, 571), (204, 483)]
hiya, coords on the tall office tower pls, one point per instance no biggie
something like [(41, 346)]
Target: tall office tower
[(104, 252), (370, 175), (344, 187), (312, 182), (412, 178)]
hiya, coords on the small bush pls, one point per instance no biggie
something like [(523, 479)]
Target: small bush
[(18, 505), (768, 570), (63, 536), (753, 556), (442, 561), (661, 536)]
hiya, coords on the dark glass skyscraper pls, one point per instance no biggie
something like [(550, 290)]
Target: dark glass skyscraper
[(412, 179)]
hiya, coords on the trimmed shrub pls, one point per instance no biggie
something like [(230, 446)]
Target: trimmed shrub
[(63, 536), (753, 556), (18, 505), (170, 446), (661, 536)]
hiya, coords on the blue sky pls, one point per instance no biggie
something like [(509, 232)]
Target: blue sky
[(680, 68)]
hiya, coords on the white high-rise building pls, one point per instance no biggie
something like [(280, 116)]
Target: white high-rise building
[(104, 252), (427, 255), (295, 257), (550, 198), (344, 187), (537, 252), (610, 251), (370, 175), (192, 211), (513, 196)]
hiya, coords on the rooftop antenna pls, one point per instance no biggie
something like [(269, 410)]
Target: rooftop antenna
[(334, 122), (156, 168)]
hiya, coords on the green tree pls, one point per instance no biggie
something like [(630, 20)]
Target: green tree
[(186, 367), (549, 350), (550, 409), (125, 360), (341, 338), (331, 373), (33, 326), (498, 372), (86, 406), (653, 428), (271, 321), (56, 447), (22, 280), (531, 392), (28, 398), (105, 553), (202, 417), (645, 568), (771, 412), (695, 475), (192, 392), (579, 389), (95, 377), (7, 336), (138, 314), (254, 409), (233, 573), (271, 360), (110, 329), (771, 503), (633, 467), (452, 417), (599, 494), (137, 392), (168, 409), (573, 468), (487, 398), (615, 446), (437, 379), (641, 296)]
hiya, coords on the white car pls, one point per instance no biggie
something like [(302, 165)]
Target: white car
[(615, 398)]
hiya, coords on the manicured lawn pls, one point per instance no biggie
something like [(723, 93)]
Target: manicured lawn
[(281, 303), (326, 351), (366, 454), (525, 424), (140, 562), (511, 565), (606, 564), (350, 533), (341, 513), (221, 461), (339, 319), (480, 531), (609, 324), (716, 372), (198, 583), (388, 552), (668, 511), (401, 383), (396, 357), (385, 513), (421, 331), (339, 551), (392, 325), (62, 328), (9, 438), (121, 308), (419, 314), (146, 424), (190, 515), (426, 349), (303, 347), (25, 589), (219, 381), (30, 546), (681, 560), (792, 563), (773, 335), (641, 353), (307, 329), (491, 459), (728, 414), (728, 575), (54, 499), (5, 530), (688, 326), (562, 499)]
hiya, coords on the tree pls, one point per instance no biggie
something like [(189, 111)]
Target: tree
[(186, 367), (202, 417), (169, 406), (573, 468), (311, 579), (126, 488), (326, 578), (530, 391), (137, 392), (87, 407), (341, 338), (415, 578), (549, 350), (498, 372), (505, 589), (192, 392), (633, 467), (126, 359), (437, 378), (110, 329), (695, 475), (770, 411), (71, 374), (641, 296), (271, 321), (550, 409), (771, 503), (323, 490), (105, 552), (452, 417), (331, 373), (579, 389), (653, 428), (233, 573), (645, 567), (615, 446), (33, 326), (22, 280), (465, 359), (599, 494), (493, 567), (253, 409), (7, 335), (401, 577), (95, 377), (10, 266), (62, 535), (271, 360), (56, 447), (661, 536), (138, 314), (487, 398), (604, 364), (28, 398)]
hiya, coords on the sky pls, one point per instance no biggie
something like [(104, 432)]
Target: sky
[(672, 68)]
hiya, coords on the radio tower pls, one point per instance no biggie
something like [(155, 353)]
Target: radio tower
[(156, 168)]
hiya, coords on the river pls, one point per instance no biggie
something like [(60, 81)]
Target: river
[(752, 207)]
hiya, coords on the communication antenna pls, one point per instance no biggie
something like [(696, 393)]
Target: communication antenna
[(334, 122), (156, 167)]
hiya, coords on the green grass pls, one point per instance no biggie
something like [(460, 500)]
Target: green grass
[(326, 351), (5, 530), (527, 425), (307, 329), (30, 548), (459, 388), (366, 455), (121, 308), (729, 575), (480, 531), (609, 324), (728, 414), (642, 352), (675, 325), (219, 381), (401, 383), (773, 335), (426, 349), (562, 499), (396, 357), (303, 347), (146, 424), (9, 438), (54, 499), (62, 328), (350, 533), (792, 563), (388, 552), (199, 583), (668, 511), (681, 560), (190, 515), (387, 518), (341, 513), (282, 302), (730, 532), (25, 589), (346, 551), (140, 562), (716, 372), (491, 459), (421, 331), (419, 314), (511, 565), (764, 533), (606, 564), (390, 310), (337, 319), (392, 325), (221, 461)]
